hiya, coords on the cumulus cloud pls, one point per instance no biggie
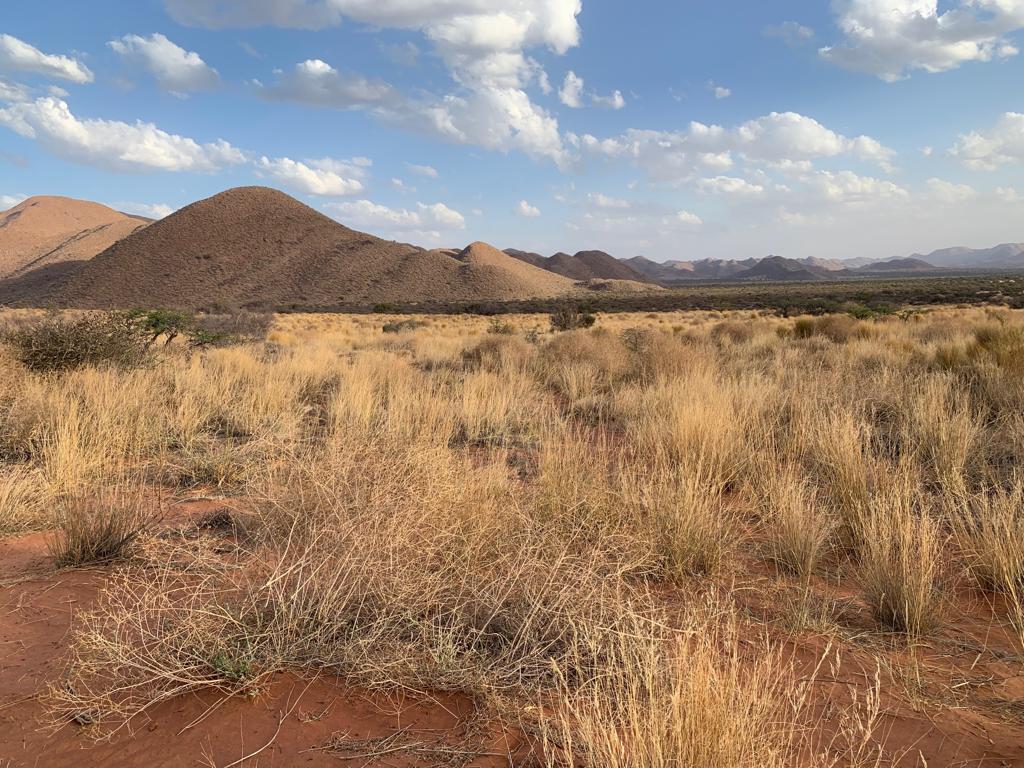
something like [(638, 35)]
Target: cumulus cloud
[(790, 32), (850, 188), (19, 56), (892, 38), (401, 54), (527, 210), (571, 92), (729, 185), (325, 177), (689, 219), (364, 214), (942, 191), (175, 69), (113, 144), (773, 140), (423, 170), (1002, 145), (482, 44)]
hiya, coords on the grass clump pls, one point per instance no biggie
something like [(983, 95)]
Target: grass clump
[(99, 528), (900, 562)]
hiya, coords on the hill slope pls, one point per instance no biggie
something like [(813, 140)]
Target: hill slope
[(774, 268), (43, 232), (582, 267), (1005, 255), (258, 247)]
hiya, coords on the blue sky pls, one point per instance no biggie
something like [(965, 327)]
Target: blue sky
[(672, 129)]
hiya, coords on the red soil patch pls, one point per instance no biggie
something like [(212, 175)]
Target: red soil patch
[(291, 723)]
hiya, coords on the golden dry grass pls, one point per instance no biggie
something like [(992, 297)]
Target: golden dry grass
[(503, 514)]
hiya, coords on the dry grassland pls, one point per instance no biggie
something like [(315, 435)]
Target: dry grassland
[(685, 539)]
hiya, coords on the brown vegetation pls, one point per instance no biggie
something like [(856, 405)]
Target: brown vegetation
[(667, 540)]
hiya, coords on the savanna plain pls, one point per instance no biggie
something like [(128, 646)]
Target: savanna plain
[(686, 539)]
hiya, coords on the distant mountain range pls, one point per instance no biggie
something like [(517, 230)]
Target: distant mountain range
[(591, 265)]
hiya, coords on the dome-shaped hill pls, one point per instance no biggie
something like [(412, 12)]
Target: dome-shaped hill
[(255, 246), (44, 232)]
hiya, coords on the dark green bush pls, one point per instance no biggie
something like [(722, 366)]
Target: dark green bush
[(571, 319)]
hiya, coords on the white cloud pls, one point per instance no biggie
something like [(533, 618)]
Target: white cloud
[(9, 201), (604, 201), (689, 219), (113, 144), (1002, 145), (729, 185), (423, 170), (720, 91), (175, 69), (529, 211), (19, 56), (571, 92), (614, 101), (947, 192), (149, 210), (317, 83), (1008, 194), (481, 43), (891, 38), (10, 91), (325, 177), (791, 32), (364, 214), (401, 186), (849, 188), (773, 140)]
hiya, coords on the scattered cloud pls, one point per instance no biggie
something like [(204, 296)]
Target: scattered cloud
[(614, 101), (772, 140), (1008, 194), (529, 211), (947, 192), (175, 69), (720, 91), (483, 47), (367, 215), (1002, 145), (790, 32), (423, 170), (17, 55), (149, 210), (689, 219), (892, 38), (11, 91), (604, 201), (729, 185), (317, 83), (325, 177), (571, 92), (113, 144)]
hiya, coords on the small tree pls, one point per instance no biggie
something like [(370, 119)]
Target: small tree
[(571, 319)]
